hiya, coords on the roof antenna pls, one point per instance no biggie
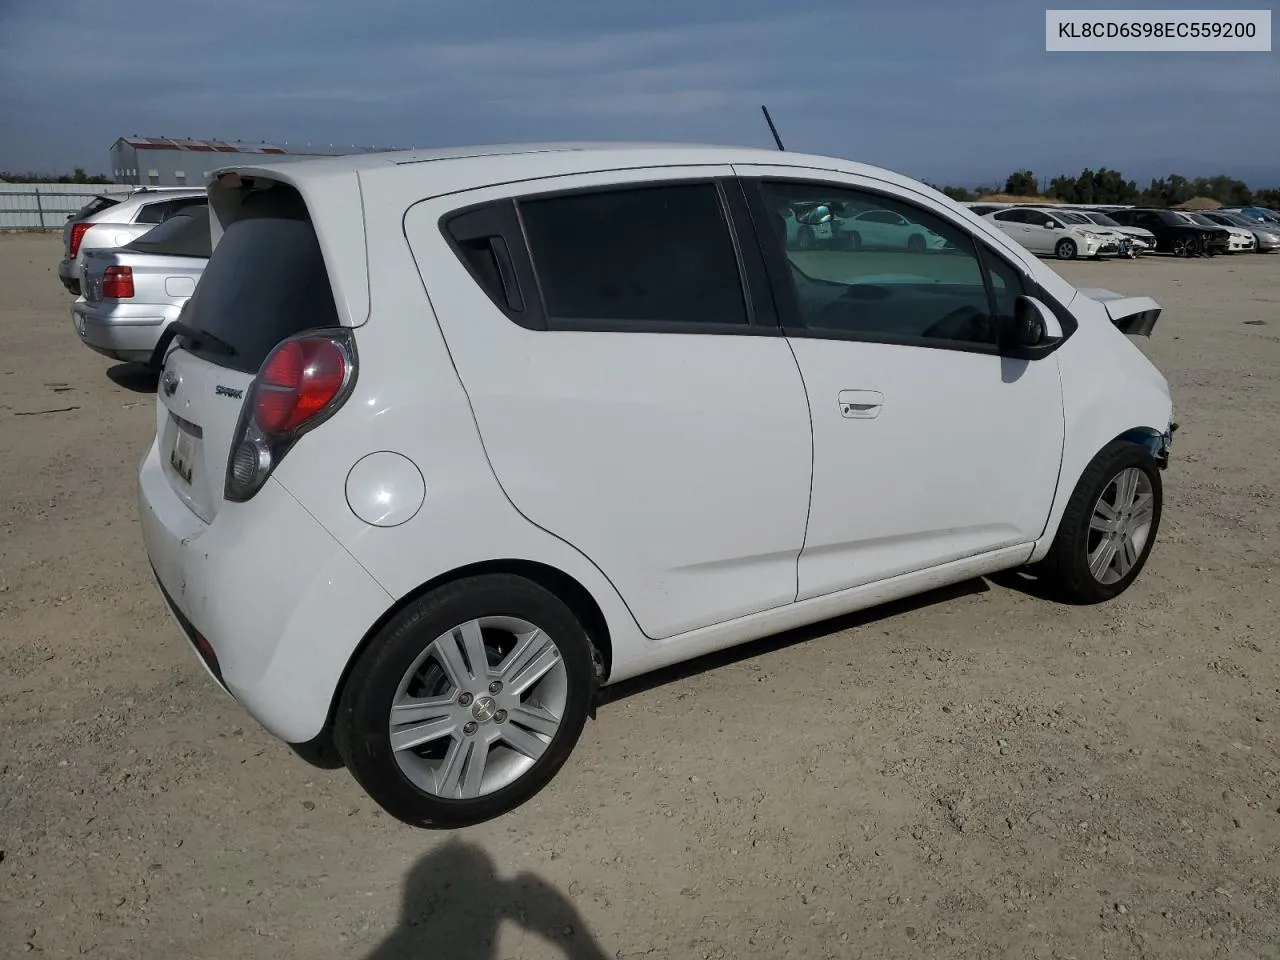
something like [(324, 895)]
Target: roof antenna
[(772, 129)]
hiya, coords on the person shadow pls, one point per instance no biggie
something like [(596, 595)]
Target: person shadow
[(455, 901)]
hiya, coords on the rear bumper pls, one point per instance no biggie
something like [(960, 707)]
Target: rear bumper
[(122, 331), (69, 274), (268, 600)]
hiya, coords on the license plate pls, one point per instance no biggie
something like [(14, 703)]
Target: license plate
[(182, 457)]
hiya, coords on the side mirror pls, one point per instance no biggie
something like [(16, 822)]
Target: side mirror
[(1031, 332)]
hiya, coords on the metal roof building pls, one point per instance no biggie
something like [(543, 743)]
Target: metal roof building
[(172, 162)]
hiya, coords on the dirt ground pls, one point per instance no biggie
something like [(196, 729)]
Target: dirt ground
[(975, 774)]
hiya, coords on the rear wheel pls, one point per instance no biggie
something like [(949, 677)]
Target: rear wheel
[(467, 702), (1109, 526), (1065, 250)]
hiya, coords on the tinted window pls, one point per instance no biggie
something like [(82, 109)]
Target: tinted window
[(183, 235), (265, 281), (928, 286), (1011, 216), (656, 254), (152, 212), (96, 205)]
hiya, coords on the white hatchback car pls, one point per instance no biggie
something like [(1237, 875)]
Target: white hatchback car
[(1040, 231), (446, 441)]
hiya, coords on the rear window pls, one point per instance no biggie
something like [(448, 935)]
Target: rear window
[(184, 235), (265, 282), (96, 205)]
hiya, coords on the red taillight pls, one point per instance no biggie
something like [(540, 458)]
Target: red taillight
[(117, 283), (297, 381), (301, 383), (78, 230)]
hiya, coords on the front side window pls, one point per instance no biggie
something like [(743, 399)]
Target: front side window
[(650, 254), (925, 284)]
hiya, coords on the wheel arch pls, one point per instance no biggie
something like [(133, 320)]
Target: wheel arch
[(1154, 441), (320, 751)]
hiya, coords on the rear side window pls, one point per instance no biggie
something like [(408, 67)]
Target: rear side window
[(183, 235), (653, 255), (96, 205), (265, 282), (162, 210)]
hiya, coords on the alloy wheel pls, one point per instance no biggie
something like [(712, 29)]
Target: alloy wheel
[(1120, 525), (478, 707)]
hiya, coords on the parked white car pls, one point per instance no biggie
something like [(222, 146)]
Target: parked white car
[(1040, 231), (449, 440), (1239, 240), (1141, 240), (886, 230)]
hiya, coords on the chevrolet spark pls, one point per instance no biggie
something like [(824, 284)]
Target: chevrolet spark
[(448, 441)]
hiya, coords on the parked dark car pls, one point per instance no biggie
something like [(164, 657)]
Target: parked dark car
[(1175, 232)]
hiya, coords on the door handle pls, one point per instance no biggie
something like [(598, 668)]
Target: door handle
[(861, 404)]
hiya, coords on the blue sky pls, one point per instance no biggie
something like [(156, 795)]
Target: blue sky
[(950, 91)]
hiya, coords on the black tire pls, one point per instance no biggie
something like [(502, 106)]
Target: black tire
[(915, 243), (1184, 247), (1066, 567), (362, 723), (1065, 250)]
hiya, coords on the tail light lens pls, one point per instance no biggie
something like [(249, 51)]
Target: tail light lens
[(302, 383), (117, 283), (78, 230)]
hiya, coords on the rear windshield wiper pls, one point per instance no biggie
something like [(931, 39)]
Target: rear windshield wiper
[(194, 334)]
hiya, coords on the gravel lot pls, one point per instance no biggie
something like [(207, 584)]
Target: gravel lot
[(975, 774)]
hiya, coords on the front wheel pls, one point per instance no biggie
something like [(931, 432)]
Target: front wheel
[(1109, 526), (1065, 250), (1184, 247), (467, 702)]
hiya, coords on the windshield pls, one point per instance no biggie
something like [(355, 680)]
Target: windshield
[(183, 235), (1102, 220), (1201, 219), (1072, 217)]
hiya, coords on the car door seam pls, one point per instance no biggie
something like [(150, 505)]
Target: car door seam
[(808, 510)]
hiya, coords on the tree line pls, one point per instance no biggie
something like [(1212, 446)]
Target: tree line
[(78, 176), (1104, 186)]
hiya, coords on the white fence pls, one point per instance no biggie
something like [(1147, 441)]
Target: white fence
[(46, 206)]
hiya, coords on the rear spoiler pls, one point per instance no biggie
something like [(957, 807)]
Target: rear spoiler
[(1135, 316)]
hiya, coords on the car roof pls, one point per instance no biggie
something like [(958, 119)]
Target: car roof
[(472, 166)]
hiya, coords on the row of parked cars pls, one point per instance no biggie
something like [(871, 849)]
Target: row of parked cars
[(132, 260), (446, 443), (1067, 233)]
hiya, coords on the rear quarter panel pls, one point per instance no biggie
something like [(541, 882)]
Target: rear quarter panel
[(408, 399)]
